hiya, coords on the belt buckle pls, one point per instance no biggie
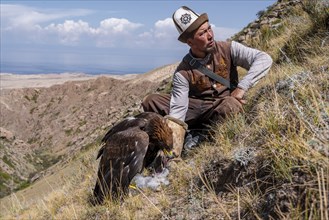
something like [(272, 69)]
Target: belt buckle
[(192, 62)]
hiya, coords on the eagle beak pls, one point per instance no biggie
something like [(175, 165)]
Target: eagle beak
[(169, 154)]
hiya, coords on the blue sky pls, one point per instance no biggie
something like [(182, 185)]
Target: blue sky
[(106, 36)]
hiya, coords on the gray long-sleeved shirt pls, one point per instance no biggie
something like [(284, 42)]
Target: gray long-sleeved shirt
[(257, 63)]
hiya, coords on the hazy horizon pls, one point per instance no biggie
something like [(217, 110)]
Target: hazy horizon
[(29, 69)]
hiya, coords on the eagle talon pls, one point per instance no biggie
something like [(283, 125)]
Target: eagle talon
[(133, 186), (169, 154)]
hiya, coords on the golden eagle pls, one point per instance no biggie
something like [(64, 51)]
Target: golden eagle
[(128, 147)]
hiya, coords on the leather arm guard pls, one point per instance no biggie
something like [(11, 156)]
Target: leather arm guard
[(178, 128)]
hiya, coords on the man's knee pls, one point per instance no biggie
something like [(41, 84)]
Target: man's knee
[(158, 103), (146, 103)]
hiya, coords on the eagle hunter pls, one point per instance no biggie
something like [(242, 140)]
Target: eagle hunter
[(129, 147)]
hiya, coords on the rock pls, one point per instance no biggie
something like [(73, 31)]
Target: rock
[(5, 134)]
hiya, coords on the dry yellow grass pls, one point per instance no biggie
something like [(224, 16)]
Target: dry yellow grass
[(270, 161), (273, 124)]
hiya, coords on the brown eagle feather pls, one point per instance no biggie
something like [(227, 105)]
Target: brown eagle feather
[(129, 147)]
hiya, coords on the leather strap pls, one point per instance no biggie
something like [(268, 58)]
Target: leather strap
[(197, 65)]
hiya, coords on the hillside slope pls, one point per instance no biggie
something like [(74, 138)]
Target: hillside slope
[(41, 127), (269, 163)]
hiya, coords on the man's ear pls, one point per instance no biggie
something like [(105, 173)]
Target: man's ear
[(189, 42)]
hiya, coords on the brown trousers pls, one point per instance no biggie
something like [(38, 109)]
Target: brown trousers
[(200, 112)]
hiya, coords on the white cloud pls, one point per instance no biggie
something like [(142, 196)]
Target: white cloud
[(18, 20), (116, 32), (117, 26), (20, 16), (222, 33), (70, 31), (162, 35), (165, 29), (44, 26)]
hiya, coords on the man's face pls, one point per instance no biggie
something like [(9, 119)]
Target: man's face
[(203, 41)]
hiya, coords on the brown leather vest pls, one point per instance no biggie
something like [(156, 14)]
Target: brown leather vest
[(201, 86)]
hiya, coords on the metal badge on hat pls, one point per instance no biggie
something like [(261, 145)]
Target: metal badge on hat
[(186, 18)]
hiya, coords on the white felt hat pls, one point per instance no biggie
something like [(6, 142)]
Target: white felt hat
[(187, 21)]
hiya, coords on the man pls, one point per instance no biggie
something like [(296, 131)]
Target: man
[(196, 98)]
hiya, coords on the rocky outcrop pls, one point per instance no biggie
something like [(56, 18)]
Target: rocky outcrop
[(272, 19)]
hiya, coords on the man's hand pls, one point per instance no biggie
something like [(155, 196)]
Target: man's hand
[(238, 94)]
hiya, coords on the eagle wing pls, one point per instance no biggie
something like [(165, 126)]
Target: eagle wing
[(122, 158), (121, 126), (148, 115)]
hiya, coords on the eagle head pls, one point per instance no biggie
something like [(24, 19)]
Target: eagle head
[(161, 135)]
